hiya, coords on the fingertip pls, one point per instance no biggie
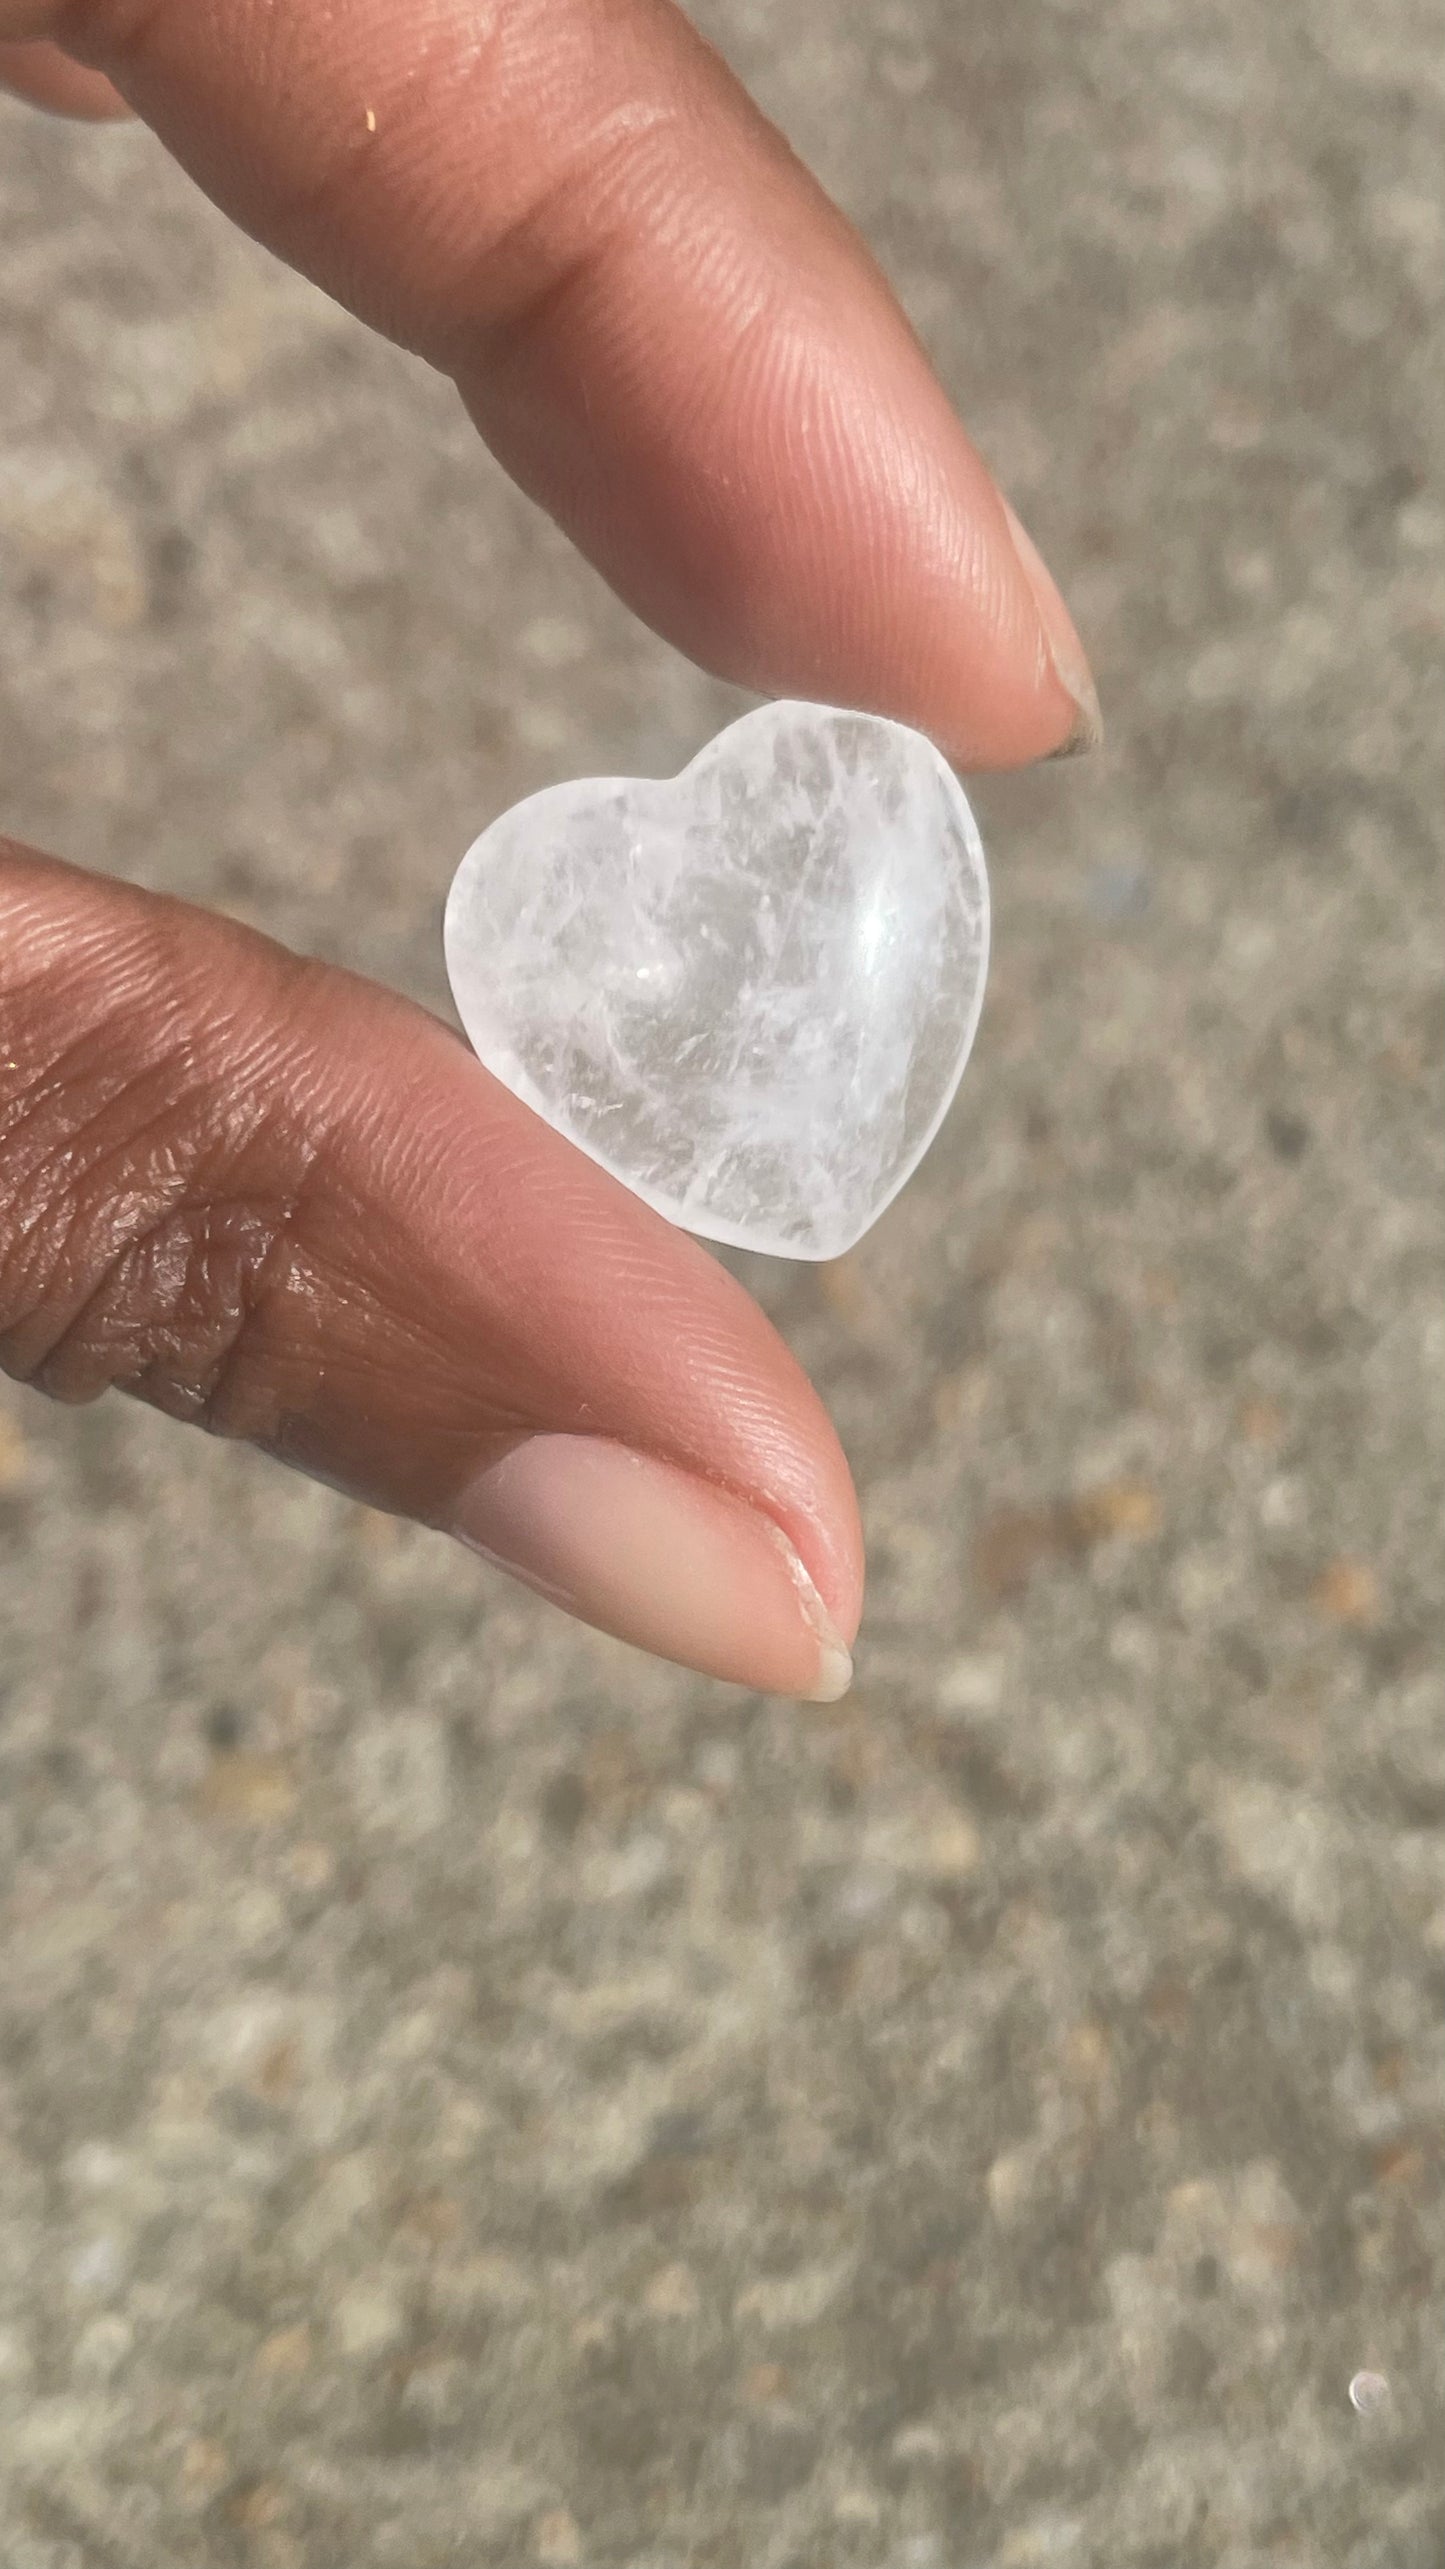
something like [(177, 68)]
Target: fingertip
[(657, 1557), (45, 77), (1070, 661)]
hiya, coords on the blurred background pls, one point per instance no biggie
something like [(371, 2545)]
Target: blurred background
[(470, 2094)]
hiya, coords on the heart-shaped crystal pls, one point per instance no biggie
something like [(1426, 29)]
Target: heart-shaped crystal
[(748, 991)]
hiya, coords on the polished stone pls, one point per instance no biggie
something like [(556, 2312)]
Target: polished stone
[(748, 991)]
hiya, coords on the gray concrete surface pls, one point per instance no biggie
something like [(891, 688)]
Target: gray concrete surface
[(472, 2096)]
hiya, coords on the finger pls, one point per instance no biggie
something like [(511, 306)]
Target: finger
[(659, 323), (46, 77), (289, 1206)]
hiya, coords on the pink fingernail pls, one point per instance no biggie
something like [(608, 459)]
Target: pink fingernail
[(660, 1558), (1066, 651)]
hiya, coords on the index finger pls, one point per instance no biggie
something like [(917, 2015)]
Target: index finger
[(661, 326)]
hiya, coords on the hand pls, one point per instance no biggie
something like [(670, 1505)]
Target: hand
[(290, 1206)]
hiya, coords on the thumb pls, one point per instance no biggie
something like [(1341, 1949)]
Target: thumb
[(289, 1206)]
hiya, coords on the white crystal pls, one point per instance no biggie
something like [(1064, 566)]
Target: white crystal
[(748, 991)]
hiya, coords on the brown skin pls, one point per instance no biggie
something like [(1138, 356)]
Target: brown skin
[(285, 1203), (48, 78), (216, 1192)]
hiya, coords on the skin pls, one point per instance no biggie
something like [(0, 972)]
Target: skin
[(288, 1205)]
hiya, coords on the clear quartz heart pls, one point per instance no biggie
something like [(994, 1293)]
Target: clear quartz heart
[(748, 991)]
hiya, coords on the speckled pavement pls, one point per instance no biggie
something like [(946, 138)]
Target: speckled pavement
[(473, 2096)]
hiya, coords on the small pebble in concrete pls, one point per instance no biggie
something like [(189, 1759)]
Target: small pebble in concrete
[(1369, 2393)]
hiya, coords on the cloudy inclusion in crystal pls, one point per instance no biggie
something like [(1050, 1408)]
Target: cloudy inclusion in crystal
[(748, 991)]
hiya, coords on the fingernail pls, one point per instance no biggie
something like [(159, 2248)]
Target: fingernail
[(1066, 651), (659, 1558)]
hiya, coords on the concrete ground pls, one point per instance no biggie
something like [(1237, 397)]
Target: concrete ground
[(471, 2095)]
